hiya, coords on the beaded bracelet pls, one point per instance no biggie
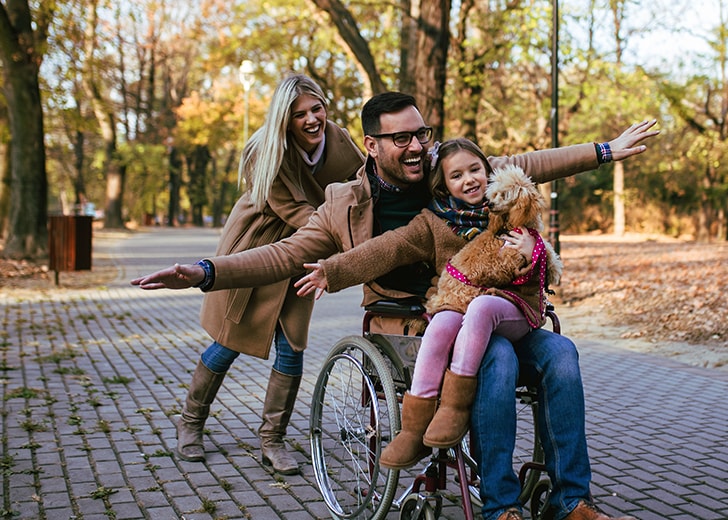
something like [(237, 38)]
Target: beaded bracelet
[(209, 279), (604, 152)]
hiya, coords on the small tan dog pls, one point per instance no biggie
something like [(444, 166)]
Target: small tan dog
[(484, 264)]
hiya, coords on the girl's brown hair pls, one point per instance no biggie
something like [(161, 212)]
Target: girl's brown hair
[(441, 151)]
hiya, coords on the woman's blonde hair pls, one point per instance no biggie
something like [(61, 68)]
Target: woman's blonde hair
[(441, 151), (263, 153)]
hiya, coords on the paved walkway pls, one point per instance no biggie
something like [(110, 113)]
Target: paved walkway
[(92, 381)]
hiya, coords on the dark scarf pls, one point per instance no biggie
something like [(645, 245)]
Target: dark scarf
[(464, 219)]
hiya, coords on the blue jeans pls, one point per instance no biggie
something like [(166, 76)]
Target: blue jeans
[(219, 358), (549, 362)]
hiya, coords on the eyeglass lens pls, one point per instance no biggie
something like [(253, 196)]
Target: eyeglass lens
[(403, 139)]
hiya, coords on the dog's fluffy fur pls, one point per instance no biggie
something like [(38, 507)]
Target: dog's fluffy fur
[(515, 201)]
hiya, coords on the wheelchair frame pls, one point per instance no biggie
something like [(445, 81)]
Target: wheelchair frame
[(355, 411)]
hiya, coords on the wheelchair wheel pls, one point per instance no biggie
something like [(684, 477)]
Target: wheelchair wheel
[(413, 508), (540, 498), (353, 411)]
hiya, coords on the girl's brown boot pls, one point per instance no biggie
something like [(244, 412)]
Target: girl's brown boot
[(452, 419), (407, 449)]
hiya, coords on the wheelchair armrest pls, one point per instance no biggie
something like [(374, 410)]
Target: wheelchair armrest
[(396, 308), (551, 315)]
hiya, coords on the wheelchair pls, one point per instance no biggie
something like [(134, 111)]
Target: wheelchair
[(355, 413)]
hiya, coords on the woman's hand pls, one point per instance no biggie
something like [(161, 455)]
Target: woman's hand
[(313, 281), (625, 145), (520, 240), (175, 277)]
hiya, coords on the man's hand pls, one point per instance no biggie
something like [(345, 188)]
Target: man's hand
[(625, 145), (313, 281), (175, 277)]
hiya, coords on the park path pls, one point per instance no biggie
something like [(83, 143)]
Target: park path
[(93, 380)]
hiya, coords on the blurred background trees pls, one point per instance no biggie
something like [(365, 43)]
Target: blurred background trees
[(143, 111)]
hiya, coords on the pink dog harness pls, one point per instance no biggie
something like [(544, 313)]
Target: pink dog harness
[(537, 259)]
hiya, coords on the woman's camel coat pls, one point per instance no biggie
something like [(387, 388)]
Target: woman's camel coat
[(244, 320)]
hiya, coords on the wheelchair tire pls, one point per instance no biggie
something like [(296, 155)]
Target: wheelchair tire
[(410, 511), (540, 498), (353, 411)]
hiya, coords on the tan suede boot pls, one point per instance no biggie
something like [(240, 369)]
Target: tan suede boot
[(277, 408), (452, 419), (407, 449), (203, 389)]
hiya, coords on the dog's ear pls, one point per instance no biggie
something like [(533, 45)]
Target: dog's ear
[(539, 206), (524, 209)]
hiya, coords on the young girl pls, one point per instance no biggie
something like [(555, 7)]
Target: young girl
[(458, 212)]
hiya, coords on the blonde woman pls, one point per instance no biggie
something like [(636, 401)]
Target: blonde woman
[(287, 164)]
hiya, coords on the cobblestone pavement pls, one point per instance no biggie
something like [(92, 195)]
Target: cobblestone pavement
[(92, 381)]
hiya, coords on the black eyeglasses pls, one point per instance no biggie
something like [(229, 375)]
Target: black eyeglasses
[(403, 139)]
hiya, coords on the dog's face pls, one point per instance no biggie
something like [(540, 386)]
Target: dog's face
[(513, 196)]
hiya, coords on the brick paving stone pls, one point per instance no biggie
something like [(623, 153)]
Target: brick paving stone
[(250, 497), (61, 512), (160, 513), (648, 515), (697, 510), (55, 484), (30, 509), (55, 500)]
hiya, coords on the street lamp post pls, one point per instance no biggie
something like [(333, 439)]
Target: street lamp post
[(245, 74), (554, 213)]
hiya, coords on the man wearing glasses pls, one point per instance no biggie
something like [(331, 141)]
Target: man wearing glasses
[(390, 189)]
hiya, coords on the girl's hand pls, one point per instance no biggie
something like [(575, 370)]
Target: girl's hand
[(520, 240), (313, 281)]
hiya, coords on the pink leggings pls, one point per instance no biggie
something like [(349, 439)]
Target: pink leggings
[(470, 333)]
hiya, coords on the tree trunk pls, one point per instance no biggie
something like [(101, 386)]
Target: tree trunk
[(349, 31), (707, 213), (469, 92), (220, 201), (115, 177), (618, 14), (28, 212), (112, 168), (408, 45), (619, 221), (433, 40), (5, 175), (175, 183), (197, 188)]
